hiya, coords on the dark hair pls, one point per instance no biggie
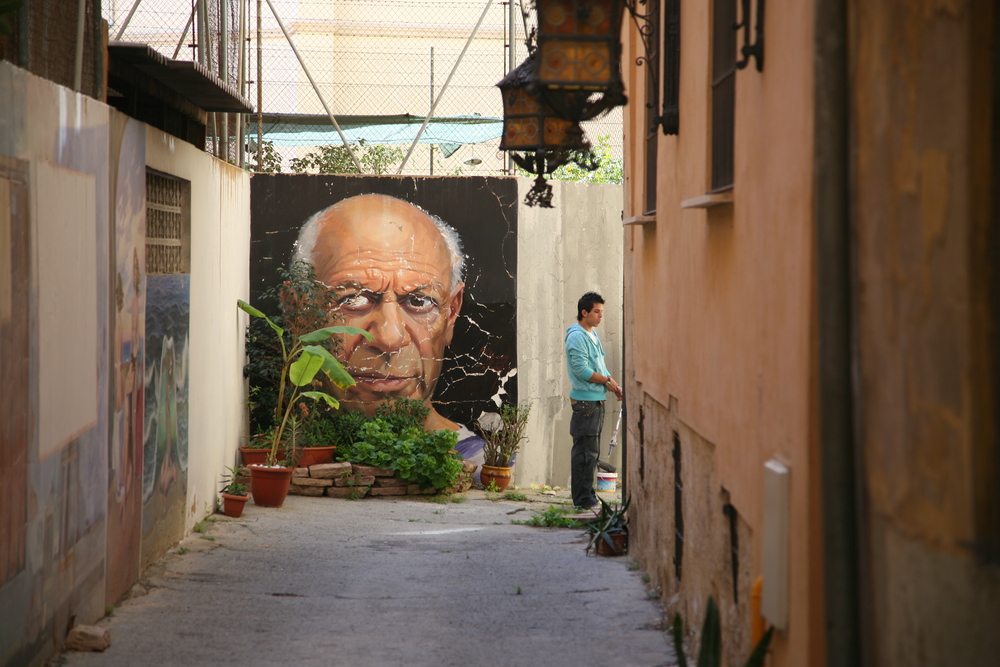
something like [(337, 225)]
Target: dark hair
[(587, 302)]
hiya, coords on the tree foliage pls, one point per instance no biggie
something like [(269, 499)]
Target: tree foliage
[(375, 159)]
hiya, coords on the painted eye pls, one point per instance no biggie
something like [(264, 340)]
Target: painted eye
[(418, 303), (356, 301)]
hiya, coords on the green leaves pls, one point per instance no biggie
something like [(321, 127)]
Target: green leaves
[(250, 310), (426, 458), (710, 654)]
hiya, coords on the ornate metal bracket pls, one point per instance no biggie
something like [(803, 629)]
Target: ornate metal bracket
[(755, 50)]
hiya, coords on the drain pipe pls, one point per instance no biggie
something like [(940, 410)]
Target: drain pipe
[(840, 480)]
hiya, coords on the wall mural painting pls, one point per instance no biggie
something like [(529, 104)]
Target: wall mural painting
[(127, 353), (165, 424), (426, 265), (16, 412)]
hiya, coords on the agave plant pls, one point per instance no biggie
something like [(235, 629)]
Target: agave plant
[(710, 654), (300, 365)]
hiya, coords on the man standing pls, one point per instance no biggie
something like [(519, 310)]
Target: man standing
[(590, 380)]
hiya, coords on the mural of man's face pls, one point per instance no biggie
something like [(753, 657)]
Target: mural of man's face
[(391, 270)]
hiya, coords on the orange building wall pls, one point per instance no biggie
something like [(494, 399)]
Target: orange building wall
[(719, 321)]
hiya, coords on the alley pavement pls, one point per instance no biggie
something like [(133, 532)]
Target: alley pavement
[(385, 582)]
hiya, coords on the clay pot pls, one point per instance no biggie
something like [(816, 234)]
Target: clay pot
[(269, 486), (233, 505), (620, 542), (315, 455), (497, 474), (254, 456)]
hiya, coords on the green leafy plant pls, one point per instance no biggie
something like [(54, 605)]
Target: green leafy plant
[(403, 413), (270, 159), (553, 517), (610, 169), (232, 486), (502, 437), (492, 487), (332, 159), (612, 520), (425, 458), (710, 654), (515, 496), (301, 362), (298, 303)]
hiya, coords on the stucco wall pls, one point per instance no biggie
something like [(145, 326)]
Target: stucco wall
[(72, 284), (719, 305), (563, 252)]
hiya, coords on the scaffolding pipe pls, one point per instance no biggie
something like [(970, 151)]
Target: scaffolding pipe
[(322, 101), (241, 64), (224, 73), (427, 120), (128, 19), (184, 34), (260, 93)]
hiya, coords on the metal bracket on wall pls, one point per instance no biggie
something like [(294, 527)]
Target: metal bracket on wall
[(755, 50)]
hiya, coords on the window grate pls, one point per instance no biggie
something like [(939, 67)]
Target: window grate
[(168, 224), (670, 114), (652, 103)]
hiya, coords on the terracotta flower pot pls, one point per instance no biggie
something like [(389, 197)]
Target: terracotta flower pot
[(497, 474), (233, 505), (619, 542), (254, 456), (269, 486), (315, 455)]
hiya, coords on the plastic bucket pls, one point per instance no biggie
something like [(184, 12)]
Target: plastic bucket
[(607, 482)]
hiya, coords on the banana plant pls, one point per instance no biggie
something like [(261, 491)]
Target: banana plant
[(710, 654), (300, 366)]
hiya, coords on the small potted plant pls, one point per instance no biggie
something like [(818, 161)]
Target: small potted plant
[(301, 362), (234, 494), (609, 531), (501, 439)]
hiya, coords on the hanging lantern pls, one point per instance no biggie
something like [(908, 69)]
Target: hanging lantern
[(528, 124), (545, 140), (578, 70)]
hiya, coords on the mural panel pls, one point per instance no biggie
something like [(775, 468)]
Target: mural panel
[(15, 409), (127, 354), (426, 265), (165, 422)]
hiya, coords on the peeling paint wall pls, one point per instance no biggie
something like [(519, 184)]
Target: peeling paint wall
[(72, 362)]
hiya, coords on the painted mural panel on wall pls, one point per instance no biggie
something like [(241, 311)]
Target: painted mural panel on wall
[(165, 424), (16, 413), (125, 454), (426, 265)]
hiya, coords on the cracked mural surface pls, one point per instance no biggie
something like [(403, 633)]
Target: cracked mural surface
[(426, 265)]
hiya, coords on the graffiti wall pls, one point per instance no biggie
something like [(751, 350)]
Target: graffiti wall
[(428, 266)]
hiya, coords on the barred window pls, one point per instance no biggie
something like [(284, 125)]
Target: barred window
[(671, 66), (168, 224), (652, 102)]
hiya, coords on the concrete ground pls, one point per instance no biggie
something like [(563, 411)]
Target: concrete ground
[(381, 581)]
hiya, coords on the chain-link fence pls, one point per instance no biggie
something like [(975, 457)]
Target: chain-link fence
[(370, 62)]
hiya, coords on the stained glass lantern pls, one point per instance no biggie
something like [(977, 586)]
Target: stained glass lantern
[(578, 70), (528, 124)]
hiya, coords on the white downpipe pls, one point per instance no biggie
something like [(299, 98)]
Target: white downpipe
[(444, 87), (305, 69)]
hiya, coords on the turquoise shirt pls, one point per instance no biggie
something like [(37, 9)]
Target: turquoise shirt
[(584, 357)]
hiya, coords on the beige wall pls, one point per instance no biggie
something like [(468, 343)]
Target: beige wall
[(720, 330), (563, 252), (220, 256)]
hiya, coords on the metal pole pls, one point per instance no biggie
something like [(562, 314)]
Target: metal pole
[(241, 65), (431, 106), (187, 27), (224, 72), (202, 31), (81, 15), (260, 94), (322, 101), (128, 19), (444, 87)]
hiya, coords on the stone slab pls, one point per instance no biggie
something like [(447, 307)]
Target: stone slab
[(88, 638), (330, 470), (372, 470), (347, 491), (359, 480), (311, 481), (388, 491), (297, 490), (389, 481), (300, 472)]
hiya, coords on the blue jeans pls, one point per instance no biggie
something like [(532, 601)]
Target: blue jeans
[(585, 427)]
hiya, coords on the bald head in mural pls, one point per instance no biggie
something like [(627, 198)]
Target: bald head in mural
[(397, 272)]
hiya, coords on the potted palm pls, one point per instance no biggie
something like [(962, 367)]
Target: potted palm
[(502, 438), (302, 360), (234, 494)]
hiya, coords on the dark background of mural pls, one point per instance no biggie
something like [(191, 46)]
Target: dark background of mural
[(484, 212)]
